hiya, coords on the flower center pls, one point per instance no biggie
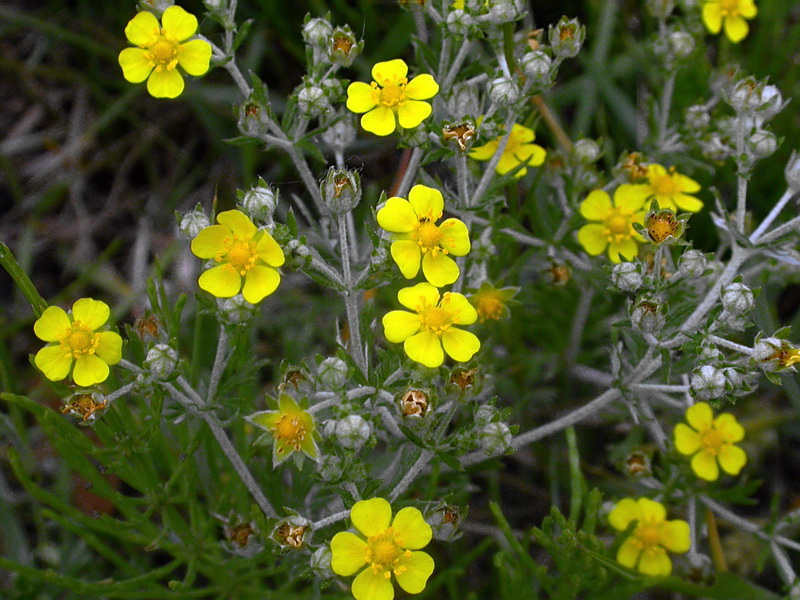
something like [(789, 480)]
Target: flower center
[(711, 440), (384, 553), (729, 7), (163, 53), (489, 307), (242, 256), (79, 340), (437, 319), (393, 94), (618, 226), (289, 431), (648, 535), (428, 236), (661, 228)]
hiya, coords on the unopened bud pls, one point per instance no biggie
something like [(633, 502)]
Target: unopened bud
[(745, 96), (627, 276), (537, 67), (317, 31), (216, 6), (332, 373), (647, 316), (586, 151), (762, 144), (792, 172), (313, 101), (681, 43), (566, 38), (459, 22), (660, 9), (737, 298), (160, 361), (504, 91), (463, 101), (771, 102), (259, 203), (504, 11), (485, 414), (341, 190), (495, 438), (236, 310), (353, 432), (692, 264), (697, 117), (707, 383), (193, 222)]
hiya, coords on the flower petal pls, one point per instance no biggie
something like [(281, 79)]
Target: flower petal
[(407, 255), (687, 202), (413, 112), (348, 553), (372, 586), (135, 65), (654, 561), (454, 237), (427, 202), (165, 84), (627, 248), (221, 281), (399, 325), (700, 416), (422, 87), (54, 362), (418, 296), (439, 269), (265, 419), (361, 97), (623, 513), (747, 8), (592, 239), (705, 466), (426, 348), (729, 428), (674, 536), (269, 251), (596, 206), (397, 216), (109, 349), (238, 222), (628, 198), (736, 28), (419, 567), (732, 459), (89, 370), (178, 23), (380, 121), (53, 323), (457, 304), (92, 313), (372, 516), (687, 440), (460, 345), (260, 282), (143, 29), (389, 71), (210, 241), (712, 17), (484, 152), (628, 553), (194, 56), (413, 531), (650, 510)]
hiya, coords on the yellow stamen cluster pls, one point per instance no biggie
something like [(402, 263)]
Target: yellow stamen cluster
[(163, 53), (383, 553), (241, 255), (79, 340), (392, 94), (289, 431), (435, 318)]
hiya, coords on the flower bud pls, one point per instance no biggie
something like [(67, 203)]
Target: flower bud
[(586, 151), (157, 7), (459, 22), (504, 91), (463, 101), (317, 31), (714, 148), (193, 222), (792, 172), (709, 354), (341, 134), (485, 414), (697, 117), (414, 403), (333, 89), (236, 310), (353, 432), (775, 354), (341, 190), (707, 383), (329, 466), (638, 464), (627, 276), (332, 373), (762, 144), (681, 43), (313, 101), (745, 96), (161, 361), (692, 264), (647, 316), (660, 9), (495, 438), (537, 66), (320, 563), (251, 120), (737, 298), (343, 48), (216, 6), (771, 102), (259, 203), (504, 11), (566, 38), (444, 520)]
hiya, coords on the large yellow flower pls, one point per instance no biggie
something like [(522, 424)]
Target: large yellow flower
[(731, 14), (160, 50), (74, 339), (518, 151), (385, 546), (391, 98), (291, 427), (671, 189), (430, 327), (710, 441), (248, 258), (419, 240), (646, 548), (613, 223)]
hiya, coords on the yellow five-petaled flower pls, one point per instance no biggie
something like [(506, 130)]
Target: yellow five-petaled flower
[(418, 239), (518, 151), (75, 340), (161, 48), (291, 427), (248, 258), (669, 188), (384, 547), (612, 225), (646, 548), (430, 327), (710, 441), (731, 15), (391, 98)]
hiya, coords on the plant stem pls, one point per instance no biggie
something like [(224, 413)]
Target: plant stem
[(776, 210), (220, 362), (424, 457), (717, 555), (351, 298)]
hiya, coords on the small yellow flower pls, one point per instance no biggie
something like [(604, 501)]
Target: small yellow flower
[(710, 441), (430, 327), (384, 546), (613, 223), (74, 339), (518, 151), (731, 14), (671, 189), (244, 253), (391, 98), (418, 240), (492, 303), (160, 50), (646, 548), (291, 427)]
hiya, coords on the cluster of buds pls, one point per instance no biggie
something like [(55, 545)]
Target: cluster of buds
[(754, 98), (336, 45)]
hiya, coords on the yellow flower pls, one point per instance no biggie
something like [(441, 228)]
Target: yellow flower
[(492, 303), (419, 240), (244, 253), (430, 327), (709, 441), (646, 548), (613, 226), (160, 50), (74, 339), (385, 546), (731, 14), (291, 427), (397, 100), (518, 151), (671, 189)]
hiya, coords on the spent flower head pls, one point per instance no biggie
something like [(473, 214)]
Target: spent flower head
[(519, 151), (710, 442), (76, 343), (391, 99), (611, 225), (491, 303), (161, 47)]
